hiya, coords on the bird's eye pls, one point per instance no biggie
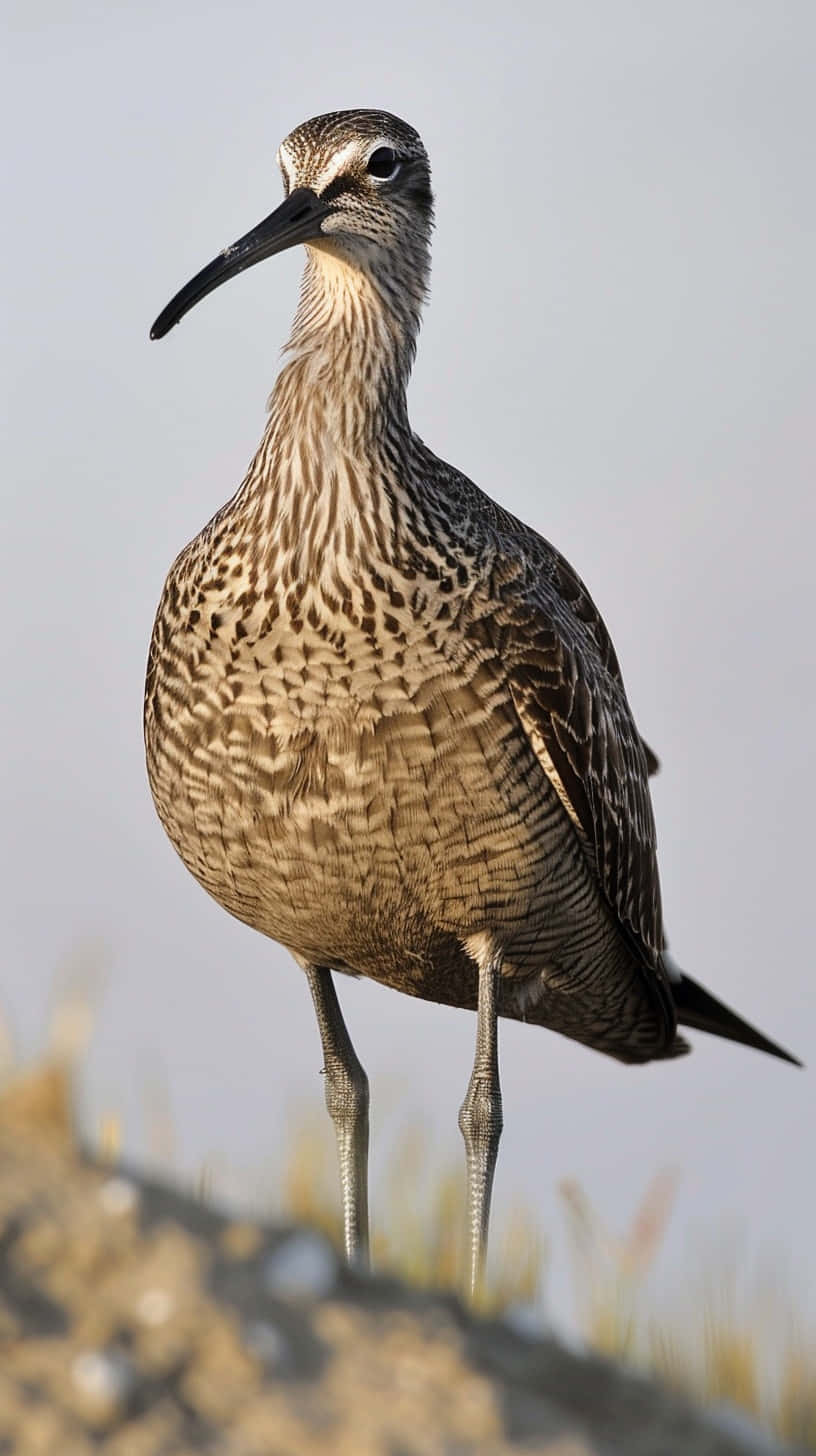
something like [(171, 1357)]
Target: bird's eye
[(383, 163)]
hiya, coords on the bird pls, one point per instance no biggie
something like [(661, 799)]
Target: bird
[(385, 723)]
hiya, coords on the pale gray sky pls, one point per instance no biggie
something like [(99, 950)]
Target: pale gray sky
[(619, 347)]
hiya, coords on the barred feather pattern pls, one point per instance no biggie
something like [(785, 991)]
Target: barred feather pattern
[(382, 716)]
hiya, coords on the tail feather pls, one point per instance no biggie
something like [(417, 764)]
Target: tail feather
[(698, 1008)]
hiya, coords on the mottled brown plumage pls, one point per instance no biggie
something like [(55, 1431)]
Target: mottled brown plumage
[(385, 723)]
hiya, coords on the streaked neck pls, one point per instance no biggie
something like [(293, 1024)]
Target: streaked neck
[(326, 489), (349, 357)]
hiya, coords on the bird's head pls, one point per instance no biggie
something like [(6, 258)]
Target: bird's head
[(358, 188)]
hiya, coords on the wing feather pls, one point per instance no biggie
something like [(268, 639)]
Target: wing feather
[(569, 695)]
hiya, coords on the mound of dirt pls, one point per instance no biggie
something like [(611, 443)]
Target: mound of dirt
[(136, 1322)]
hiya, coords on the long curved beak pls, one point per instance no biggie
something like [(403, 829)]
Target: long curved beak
[(295, 221)]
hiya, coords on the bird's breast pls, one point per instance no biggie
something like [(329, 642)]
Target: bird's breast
[(334, 776)]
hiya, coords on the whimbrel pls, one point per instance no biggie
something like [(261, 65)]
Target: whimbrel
[(385, 722)]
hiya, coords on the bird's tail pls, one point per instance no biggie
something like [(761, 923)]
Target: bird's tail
[(697, 1007)]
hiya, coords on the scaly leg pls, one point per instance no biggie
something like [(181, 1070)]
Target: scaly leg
[(480, 1116), (347, 1101)]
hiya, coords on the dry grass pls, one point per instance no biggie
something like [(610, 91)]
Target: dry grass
[(733, 1338), (418, 1216)]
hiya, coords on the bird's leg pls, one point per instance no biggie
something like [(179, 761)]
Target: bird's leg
[(347, 1101), (480, 1116)]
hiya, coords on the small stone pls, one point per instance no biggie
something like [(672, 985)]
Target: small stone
[(155, 1307), (266, 1342), (303, 1266), (526, 1319), (103, 1379), (118, 1196)]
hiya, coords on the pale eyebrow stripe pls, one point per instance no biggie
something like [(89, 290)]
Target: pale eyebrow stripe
[(336, 164)]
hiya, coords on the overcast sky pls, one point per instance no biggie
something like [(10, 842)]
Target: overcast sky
[(619, 347)]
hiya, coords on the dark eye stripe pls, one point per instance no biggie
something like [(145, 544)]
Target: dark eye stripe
[(341, 184)]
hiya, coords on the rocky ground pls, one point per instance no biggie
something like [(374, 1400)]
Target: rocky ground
[(136, 1322)]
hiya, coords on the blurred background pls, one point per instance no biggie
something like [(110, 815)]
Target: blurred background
[(619, 349)]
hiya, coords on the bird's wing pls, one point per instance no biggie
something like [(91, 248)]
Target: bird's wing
[(569, 695)]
